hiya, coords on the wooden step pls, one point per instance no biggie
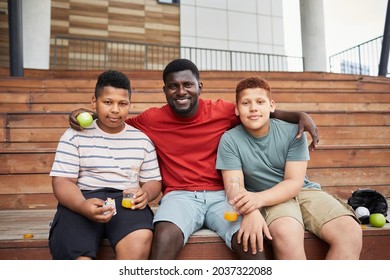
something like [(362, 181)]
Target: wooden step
[(40, 161), (26, 182), (206, 74), (60, 119), (332, 135), (202, 245), (66, 95)]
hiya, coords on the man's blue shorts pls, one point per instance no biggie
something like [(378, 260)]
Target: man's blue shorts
[(191, 211)]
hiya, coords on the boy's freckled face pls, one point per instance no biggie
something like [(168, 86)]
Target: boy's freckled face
[(254, 108), (112, 107)]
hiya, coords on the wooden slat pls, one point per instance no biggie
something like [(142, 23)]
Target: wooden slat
[(60, 119), (23, 163), (351, 119), (206, 74), (40, 161), (41, 120), (28, 201), (35, 135), (142, 106), (344, 192), (25, 184), (354, 135), (156, 95), (358, 177), (328, 135), (328, 177), (66, 107), (28, 147)]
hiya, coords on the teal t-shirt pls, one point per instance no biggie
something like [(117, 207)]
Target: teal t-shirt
[(263, 159)]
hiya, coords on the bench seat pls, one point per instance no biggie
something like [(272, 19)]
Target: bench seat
[(202, 245)]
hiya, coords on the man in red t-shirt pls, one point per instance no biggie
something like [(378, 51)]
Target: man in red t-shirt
[(186, 133)]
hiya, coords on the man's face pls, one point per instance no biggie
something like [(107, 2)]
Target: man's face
[(182, 90)]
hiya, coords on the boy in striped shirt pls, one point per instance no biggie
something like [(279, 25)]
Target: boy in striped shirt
[(98, 164)]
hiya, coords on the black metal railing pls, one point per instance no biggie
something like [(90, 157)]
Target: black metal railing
[(73, 53), (362, 59)]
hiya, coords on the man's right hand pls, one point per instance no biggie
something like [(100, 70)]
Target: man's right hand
[(73, 118)]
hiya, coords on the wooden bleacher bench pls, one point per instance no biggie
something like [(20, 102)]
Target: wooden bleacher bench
[(351, 112), (202, 245)]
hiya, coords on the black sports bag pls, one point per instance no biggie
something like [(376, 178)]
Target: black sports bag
[(374, 201)]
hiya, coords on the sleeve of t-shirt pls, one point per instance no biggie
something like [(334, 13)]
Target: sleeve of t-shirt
[(138, 121), (67, 159), (150, 169), (298, 150), (227, 155)]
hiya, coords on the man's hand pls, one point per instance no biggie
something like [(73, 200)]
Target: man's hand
[(306, 123), (73, 118)]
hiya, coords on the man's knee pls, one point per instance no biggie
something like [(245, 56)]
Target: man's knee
[(167, 241), (167, 231)]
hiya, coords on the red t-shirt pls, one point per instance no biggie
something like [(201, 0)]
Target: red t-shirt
[(187, 147)]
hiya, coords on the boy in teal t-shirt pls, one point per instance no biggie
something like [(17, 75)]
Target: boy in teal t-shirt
[(271, 163)]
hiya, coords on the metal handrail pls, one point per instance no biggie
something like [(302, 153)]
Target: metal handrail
[(362, 59), (75, 53)]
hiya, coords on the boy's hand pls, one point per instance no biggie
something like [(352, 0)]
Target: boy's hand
[(73, 118), (306, 123), (141, 198), (94, 210), (251, 232), (246, 202)]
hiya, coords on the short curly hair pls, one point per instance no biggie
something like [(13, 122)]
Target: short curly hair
[(112, 78), (180, 64), (253, 82)]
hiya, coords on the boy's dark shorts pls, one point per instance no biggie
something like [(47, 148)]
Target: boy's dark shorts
[(73, 235)]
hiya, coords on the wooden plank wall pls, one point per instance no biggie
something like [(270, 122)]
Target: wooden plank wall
[(143, 21), (352, 113)]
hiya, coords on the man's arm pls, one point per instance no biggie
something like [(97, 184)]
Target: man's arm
[(304, 121)]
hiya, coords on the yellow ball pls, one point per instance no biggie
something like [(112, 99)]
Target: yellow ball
[(85, 119)]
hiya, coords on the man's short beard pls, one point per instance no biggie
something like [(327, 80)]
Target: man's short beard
[(182, 112)]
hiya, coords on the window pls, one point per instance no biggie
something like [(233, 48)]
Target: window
[(169, 1)]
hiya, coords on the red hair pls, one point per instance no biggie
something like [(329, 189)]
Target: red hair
[(253, 82)]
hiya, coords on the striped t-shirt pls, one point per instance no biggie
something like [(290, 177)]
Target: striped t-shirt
[(102, 160)]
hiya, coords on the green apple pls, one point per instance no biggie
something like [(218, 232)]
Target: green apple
[(377, 220), (85, 119)]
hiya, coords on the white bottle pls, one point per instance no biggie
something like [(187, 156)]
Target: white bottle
[(132, 178), (230, 213)]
